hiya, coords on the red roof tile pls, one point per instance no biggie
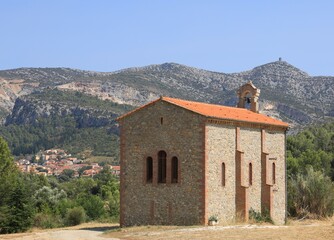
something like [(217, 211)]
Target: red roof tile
[(223, 112), (219, 112), (116, 168)]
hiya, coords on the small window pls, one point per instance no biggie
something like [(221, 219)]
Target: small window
[(149, 170), (223, 175), (274, 173), (250, 174), (162, 167), (161, 120), (175, 170)]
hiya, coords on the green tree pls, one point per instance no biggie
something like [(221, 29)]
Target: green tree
[(47, 198), (20, 209), (93, 205), (15, 209)]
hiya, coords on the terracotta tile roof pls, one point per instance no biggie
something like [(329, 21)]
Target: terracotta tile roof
[(116, 168), (217, 111), (224, 112)]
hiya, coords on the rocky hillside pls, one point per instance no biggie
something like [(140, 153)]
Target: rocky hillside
[(286, 92), (88, 111), (79, 123)]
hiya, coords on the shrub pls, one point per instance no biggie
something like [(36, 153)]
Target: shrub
[(43, 220), (93, 205), (213, 218), (75, 216), (47, 198), (311, 195), (63, 206), (260, 217)]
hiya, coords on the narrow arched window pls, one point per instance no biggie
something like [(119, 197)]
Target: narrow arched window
[(162, 167), (223, 175), (175, 170), (274, 173), (250, 171), (149, 170)]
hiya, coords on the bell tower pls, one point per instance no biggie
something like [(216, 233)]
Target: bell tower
[(248, 96)]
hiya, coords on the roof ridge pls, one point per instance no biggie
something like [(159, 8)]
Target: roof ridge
[(204, 103), (219, 111), (216, 111)]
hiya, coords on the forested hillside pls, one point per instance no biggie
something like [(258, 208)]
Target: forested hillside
[(70, 120)]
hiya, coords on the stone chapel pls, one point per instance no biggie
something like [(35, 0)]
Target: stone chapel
[(183, 162)]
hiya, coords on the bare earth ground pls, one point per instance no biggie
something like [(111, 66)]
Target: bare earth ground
[(315, 230)]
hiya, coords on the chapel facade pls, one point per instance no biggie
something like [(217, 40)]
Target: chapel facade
[(183, 162)]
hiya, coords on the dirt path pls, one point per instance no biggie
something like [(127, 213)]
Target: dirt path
[(60, 235), (83, 232)]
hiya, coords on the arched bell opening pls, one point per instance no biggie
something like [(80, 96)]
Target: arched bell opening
[(248, 97)]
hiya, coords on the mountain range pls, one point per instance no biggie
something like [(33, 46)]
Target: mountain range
[(287, 93)]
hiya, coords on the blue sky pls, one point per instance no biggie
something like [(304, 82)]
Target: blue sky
[(223, 36)]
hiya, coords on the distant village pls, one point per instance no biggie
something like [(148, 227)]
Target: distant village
[(54, 162)]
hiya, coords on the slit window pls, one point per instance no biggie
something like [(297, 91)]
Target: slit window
[(274, 173), (250, 169), (162, 167), (175, 170), (149, 170), (223, 175)]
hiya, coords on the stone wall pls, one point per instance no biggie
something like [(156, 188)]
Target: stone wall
[(250, 144), (180, 133), (275, 146), (221, 148)]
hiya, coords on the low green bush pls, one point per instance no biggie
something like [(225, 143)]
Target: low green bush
[(75, 216), (311, 195), (43, 220), (260, 217)]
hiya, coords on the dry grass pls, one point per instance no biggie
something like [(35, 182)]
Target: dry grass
[(292, 231)]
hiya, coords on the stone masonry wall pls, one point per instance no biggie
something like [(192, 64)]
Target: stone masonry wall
[(250, 144), (275, 146), (178, 132), (221, 148)]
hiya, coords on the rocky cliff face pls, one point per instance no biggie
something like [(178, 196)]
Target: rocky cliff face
[(86, 111), (27, 111), (286, 92)]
